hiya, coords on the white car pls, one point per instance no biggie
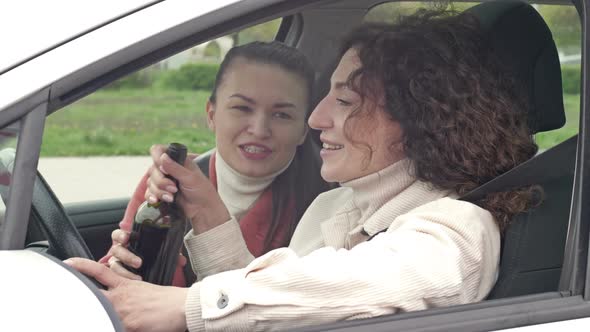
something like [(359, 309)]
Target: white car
[(55, 53)]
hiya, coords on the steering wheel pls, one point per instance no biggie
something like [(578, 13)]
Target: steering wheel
[(64, 239)]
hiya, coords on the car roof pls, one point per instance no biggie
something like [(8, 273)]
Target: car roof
[(81, 42), (52, 23)]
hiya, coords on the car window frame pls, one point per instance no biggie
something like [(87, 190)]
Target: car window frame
[(31, 112), (68, 89), (90, 28)]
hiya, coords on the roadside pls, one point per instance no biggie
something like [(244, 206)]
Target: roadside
[(78, 179)]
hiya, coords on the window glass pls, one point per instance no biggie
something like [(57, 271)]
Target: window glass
[(108, 133), (564, 23)]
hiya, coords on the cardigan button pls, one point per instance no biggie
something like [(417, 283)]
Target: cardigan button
[(223, 301)]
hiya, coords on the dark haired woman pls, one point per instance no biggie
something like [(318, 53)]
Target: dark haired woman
[(417, 114), (258, 110)]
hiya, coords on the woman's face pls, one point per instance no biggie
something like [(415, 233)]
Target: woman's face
[(342, 160), (258, 117)]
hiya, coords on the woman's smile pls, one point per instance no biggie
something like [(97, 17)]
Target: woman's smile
[(255, 151), (329, 149), (258, 127)]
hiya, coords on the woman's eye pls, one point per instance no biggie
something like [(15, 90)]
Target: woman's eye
[(242, 108), (343, 102), (282, 115)]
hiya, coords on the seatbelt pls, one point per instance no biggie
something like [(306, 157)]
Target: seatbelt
[(526, 174)]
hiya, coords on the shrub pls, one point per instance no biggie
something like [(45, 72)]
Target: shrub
[(191, 76), (139, 80), (570, 76)]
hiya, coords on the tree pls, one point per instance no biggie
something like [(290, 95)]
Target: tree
[(563, 20), (212, 50), (262, 32), (564, 23)]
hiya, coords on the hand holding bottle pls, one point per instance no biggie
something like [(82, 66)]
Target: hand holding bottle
[(197, 197), (157, 232), (122, 256)]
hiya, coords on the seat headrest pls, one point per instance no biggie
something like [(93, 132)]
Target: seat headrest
[(524, 43)]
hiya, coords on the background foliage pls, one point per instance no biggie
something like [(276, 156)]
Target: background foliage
[(160, 106)]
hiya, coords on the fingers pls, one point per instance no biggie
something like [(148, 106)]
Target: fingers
[(116, 266), (191, 157), (95, 270), (122, 254), (159, 186), (188, 175), (156, 151), (120, 236)]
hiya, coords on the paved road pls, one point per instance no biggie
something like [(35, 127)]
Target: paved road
[(76, 179), (93, 178)]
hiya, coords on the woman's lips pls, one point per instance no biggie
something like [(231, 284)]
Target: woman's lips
[(329, 149), (255, 151)]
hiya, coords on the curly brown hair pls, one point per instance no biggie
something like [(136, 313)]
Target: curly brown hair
[(464, 118)]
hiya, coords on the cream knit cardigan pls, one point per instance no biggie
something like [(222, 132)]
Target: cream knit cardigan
[(437, 251)]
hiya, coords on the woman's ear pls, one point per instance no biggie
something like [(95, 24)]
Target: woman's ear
[(396, 149), (210, 115)]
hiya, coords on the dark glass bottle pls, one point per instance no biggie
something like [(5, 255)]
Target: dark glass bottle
[(158, 231)]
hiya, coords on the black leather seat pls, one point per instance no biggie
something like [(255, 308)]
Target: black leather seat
[(533, 245)]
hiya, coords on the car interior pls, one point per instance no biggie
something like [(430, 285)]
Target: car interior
[(534, 245), (532, 253)]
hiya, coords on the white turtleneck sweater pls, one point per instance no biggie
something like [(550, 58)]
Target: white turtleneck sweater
[(437, 251), (237, 191)]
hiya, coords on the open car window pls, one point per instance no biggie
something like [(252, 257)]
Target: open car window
[(564, 23), (109, 132)]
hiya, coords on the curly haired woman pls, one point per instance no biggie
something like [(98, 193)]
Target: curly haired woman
[(418, 113)]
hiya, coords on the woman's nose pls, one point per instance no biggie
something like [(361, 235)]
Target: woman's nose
[(260, 126), (320, 117)]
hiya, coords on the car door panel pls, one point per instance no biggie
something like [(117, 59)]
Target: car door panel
[(96, 221)]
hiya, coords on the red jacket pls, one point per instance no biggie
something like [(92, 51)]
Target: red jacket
[(254, 224)]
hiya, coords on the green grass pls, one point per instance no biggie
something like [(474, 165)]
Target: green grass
[(572, 116), (128, 122)]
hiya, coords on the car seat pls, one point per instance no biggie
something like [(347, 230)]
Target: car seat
[(533, 245)]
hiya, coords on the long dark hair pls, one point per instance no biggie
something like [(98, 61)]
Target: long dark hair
[(463, 116), (301, 182)]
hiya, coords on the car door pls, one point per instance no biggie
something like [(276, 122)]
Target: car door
[(96, 150), (565, 307), (314, 27)]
